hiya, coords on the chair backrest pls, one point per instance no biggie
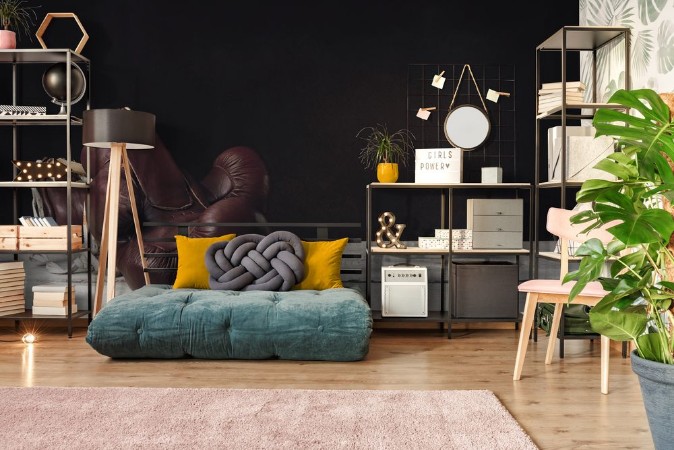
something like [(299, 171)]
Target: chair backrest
[(559, 224)]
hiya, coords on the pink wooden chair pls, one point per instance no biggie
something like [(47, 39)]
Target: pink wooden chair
[(553, 291)]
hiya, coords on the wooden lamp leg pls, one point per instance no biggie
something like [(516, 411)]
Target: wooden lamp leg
[(108, 250), (126, 163), (103, 253), (114, 173)]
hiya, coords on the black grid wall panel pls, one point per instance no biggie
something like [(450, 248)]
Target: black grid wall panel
[(499, 148)]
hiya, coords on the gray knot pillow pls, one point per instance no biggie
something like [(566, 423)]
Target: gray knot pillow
[(252, 262)]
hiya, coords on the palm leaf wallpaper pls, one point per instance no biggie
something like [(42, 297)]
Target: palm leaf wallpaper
[(652, 45)]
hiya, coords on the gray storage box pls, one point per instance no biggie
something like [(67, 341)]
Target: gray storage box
[(496, 223), (485, 290)]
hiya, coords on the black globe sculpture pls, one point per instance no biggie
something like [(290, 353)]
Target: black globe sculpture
[(54, 84)]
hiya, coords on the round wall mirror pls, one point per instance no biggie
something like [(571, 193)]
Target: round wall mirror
[(467, 127)]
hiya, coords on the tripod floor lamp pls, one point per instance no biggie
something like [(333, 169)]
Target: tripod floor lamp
[(117, 130)]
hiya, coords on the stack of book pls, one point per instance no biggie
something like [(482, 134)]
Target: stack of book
[(30, 221), (52, 299), (550, 95), (12, 278)]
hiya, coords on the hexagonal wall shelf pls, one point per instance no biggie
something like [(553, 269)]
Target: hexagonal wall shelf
[(47, 20)]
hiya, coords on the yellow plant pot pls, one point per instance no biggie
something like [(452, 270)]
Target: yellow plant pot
[(387, 172)]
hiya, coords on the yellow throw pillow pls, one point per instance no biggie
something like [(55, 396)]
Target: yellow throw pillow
[(322, 264), (192, 272)]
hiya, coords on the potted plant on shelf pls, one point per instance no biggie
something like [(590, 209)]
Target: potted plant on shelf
[(14, 14), (639, 305), (385, 150)]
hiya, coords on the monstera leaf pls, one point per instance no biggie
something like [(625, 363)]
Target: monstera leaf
[(640, 287)]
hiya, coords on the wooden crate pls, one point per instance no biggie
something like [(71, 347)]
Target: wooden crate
[(9, 237), (49, 238)]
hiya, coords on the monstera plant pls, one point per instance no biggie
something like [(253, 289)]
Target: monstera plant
[(638, 208)]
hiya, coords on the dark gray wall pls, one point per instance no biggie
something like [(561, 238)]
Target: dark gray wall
[(294, 80)]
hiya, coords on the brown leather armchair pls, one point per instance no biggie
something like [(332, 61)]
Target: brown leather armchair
[(235, 190)]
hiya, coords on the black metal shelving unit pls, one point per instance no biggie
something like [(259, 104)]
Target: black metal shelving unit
[(565, 41), (445, 316), (45, 57)]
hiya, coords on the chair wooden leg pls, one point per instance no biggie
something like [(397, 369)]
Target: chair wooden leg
[(527, 322), (605, 349), (554, 329)]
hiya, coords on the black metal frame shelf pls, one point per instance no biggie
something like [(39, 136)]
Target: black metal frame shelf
[(54, 252), (433, 316), (28, 315), (45, 184), (570, 39), (41, 56), (39, 119), (446, 192), (16, 58)]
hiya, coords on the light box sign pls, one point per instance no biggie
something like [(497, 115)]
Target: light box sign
[(438, 165)]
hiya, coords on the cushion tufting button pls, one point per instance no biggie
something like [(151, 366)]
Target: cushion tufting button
[(140, 330), (320, 328)]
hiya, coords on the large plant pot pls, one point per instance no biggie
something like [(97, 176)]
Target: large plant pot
[(387, 172), (657, 389), (7, 39)]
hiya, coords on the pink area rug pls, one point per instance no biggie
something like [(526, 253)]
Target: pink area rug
[(208, 418)]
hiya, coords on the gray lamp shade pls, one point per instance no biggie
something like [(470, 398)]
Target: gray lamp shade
[(102, 127)]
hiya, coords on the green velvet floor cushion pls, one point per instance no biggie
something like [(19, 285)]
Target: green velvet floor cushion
[(157, 321)]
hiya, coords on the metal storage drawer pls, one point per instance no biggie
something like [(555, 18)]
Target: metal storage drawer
[(495, 223), (495, 207), (497, 239)]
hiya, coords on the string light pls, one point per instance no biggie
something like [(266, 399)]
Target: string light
[(40, 170)]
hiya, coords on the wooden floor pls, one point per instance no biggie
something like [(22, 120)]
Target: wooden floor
[(559, 405)]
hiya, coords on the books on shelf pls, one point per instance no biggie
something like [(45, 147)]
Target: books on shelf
[(53, 310), (29, 221), (549, 105), (550, 95), (52, 287), (13, 275), (11, 285), (569, 85), (547, 91), (5, 311), (13, 300), (9, 265), (551, 98), (51, 299), (6, 295), (12, 278)]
